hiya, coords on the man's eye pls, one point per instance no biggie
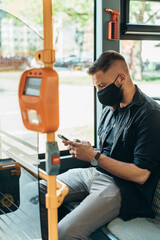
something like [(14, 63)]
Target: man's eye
[(101, 85)]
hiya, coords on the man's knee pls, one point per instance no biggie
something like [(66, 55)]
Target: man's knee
[(65, 232), (68, 231)]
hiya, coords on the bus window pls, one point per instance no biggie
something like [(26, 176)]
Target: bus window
[(142, 27), (74, 44), (144, 64), (18, 43), (29, 12), (144, 12)]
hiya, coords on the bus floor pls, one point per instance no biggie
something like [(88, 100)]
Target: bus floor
[(24, 222)]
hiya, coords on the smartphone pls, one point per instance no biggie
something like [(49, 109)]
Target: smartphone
[(62, 137)]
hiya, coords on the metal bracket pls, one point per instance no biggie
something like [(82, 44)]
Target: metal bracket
[(45, 56)]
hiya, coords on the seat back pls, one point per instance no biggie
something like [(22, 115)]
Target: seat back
[(156, 203)]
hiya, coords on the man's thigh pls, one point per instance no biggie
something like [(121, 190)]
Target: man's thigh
[(98, 208), (79, 181)]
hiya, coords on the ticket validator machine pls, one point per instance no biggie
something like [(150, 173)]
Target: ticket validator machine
[(39, 104), (39, 100)]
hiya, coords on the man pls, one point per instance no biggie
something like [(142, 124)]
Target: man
[(126, 166)]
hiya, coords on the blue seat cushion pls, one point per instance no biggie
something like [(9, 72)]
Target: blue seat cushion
[(139, 228), (135, 229)]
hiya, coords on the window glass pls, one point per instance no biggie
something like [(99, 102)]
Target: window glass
[(144, 12), (18, 43), (144, 64), (29, 12), (73, 41)]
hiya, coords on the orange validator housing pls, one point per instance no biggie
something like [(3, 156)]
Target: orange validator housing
[(39, 99)]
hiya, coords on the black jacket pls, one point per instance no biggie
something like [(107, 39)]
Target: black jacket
[(136, 140)]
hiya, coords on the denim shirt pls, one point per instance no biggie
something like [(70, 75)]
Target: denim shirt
[(136, 140)]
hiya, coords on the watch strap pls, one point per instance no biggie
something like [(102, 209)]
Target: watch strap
[(98, 154)]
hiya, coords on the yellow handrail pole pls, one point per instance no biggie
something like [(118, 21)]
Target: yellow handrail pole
[(51, 198), (51, 204), (48, 30)]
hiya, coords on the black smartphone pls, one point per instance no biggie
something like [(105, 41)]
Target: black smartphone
[(62, 137)]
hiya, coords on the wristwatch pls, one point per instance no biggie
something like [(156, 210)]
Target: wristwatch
[(94, 161)]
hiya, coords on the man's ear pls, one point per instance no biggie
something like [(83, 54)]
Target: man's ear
[(122, 78)]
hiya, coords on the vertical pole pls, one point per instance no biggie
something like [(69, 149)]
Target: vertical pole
[(51, 179), (51, 199), (52, 210), (47, 27), (52, 195)]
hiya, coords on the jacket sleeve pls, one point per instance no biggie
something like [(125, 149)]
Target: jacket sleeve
[(147, 142)]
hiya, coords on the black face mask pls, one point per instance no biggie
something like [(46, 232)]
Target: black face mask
[(111, 95)]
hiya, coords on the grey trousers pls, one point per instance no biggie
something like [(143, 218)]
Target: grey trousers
[(100, 202)]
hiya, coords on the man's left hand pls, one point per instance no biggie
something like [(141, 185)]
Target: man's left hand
[(82, 150)]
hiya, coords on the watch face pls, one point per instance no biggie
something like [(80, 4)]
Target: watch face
[(94, 162)]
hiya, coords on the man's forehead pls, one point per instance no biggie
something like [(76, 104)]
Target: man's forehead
[(100, 75), (98, 78)]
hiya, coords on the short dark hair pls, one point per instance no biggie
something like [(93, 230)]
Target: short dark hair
[(104, 62)]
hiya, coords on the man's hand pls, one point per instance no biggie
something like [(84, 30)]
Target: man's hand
[(82, 150)]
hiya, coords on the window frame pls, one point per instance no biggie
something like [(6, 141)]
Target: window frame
[(136, 31)]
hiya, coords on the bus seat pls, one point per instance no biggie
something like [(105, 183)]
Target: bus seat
[(138, 228)]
